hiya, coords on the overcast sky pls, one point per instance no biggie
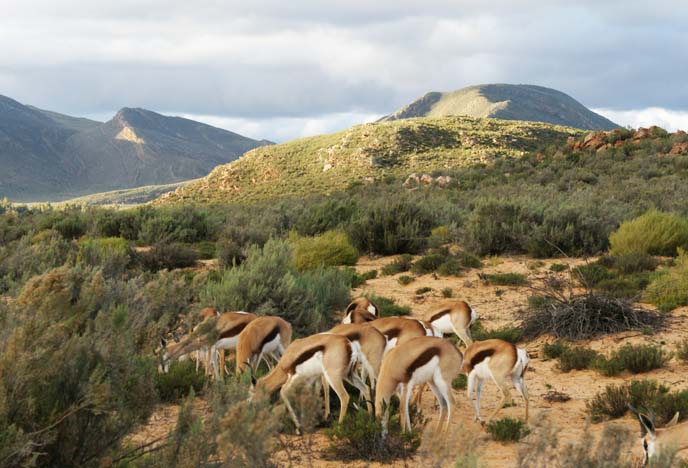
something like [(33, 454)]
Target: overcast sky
[(280, 69)]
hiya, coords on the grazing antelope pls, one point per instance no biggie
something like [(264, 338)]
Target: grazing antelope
[(500, 361), (372, 345), (229, 326), (261, 337), (327, 355), (398, 330), (203, 354), (654, 440), (361, 310), (426, 359), (454, 317)]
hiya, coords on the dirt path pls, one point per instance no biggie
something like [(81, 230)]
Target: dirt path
[(497, 306)]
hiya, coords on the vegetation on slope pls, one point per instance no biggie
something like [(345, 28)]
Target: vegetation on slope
[(368, 153)]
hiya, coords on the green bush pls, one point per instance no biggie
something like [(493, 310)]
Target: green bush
[(507, 430), (267, 283), (640, 358), (405, 279), (636, 262), (390, 228), (176, 224), (682, 351), (452, 267), (388, 307), (654, 233), (460, 382), (669, 289), (167, 256), (423, 290), (447, 292), (506, 333), (428, 263), (507, 279), (360, 279), (554, 350), (181, 379), (558, 267), (401, 264), (113, 254), (359, 437), (576, 359), (328, 249), (613, 401)]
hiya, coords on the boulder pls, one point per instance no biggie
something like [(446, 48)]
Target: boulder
[(679, 148)]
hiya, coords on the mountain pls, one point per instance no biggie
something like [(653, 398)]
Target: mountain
[(46, 156), (366, 154), (508, 102)]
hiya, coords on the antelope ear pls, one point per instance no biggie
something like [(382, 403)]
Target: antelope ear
[(163, 341), (673, 421)]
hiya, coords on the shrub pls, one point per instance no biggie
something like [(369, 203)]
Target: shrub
[(682, 351), (590, 275), (428, 263), (507, 279), (447, 292), (573, 316), (507, 333), (167, 256), (653, 233), (361, 279), (267, 283), (613, 401), (176, 224), (468, 260), (558, 267), (632, 263), (423, 290), (507, 430), (406, 279), (640, 358), (181, 379), (400, 264), (670, 288), (388, 307), (452, 267), (576, 358), (113, 254), (460, 382), (554, 350), (328, 249), (359, 437), (389, 228)]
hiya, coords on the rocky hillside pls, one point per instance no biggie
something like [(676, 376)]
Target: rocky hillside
[(366, 153), (49, 156), (508, 102)]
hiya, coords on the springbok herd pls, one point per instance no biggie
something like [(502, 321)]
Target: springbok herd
[(390, 355)]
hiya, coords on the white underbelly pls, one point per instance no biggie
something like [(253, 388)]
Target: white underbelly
[(312, 366), (443, 324), (425, 372), (272, 345), (227, 343), (482, 370)]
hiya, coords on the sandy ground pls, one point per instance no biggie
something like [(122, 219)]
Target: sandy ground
[(497, 306)]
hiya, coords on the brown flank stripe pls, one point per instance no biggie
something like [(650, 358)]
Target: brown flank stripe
[(270, 336), (480, 357), (234, 331), (353, 336), (421, 360), (305, 356), (439, 314)]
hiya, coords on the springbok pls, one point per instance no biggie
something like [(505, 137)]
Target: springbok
[(372, 344), (500, 361), (655, 440), (361, 310), (230, 325), (328, 355), (453, 317), (261, 337), (426, 359), (398, 330)]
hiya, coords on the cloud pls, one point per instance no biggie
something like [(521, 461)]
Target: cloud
[(306, 61), (667, 119)]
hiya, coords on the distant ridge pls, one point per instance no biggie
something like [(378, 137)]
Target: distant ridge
[(508, 102), (47, 156)]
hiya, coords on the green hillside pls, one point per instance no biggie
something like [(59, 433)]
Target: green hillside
[(365, 154)]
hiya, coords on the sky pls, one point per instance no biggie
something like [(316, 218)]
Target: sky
[(279, 69)]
